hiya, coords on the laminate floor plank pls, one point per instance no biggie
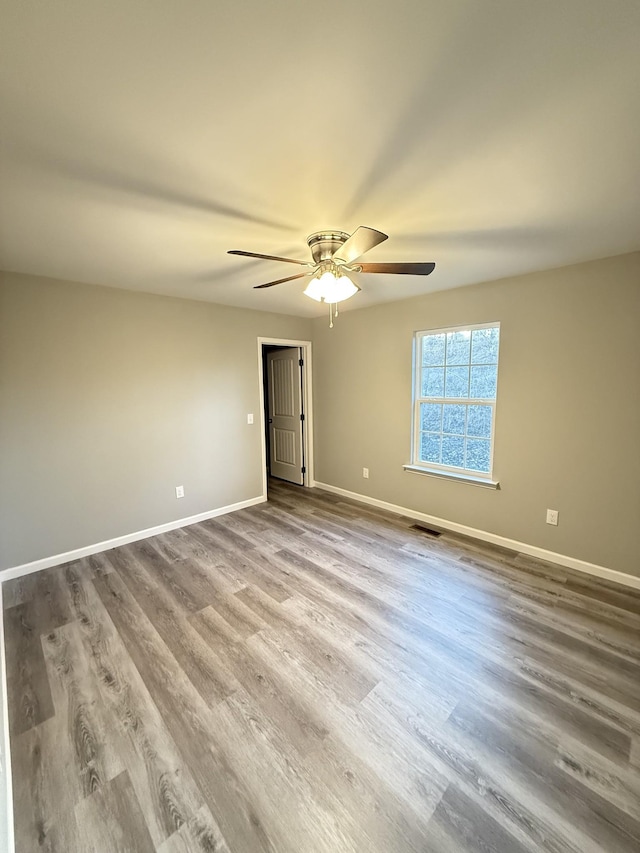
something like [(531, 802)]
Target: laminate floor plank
[(189, 721), (386, 821), (261, 743), (227, 536), (213, 681), (45, 595), (28, 690), (574, 602), (503, 797), (16, 591), (111, 819), (622, 599), (411, 776), (321, 652), (459, 825), (436, 695), (45, 789), (243, 619), (254, 567), (496, 673), (44, 608), (190, 568), (270, 528), (587, 635), (260, 574), (72, 750), (312, 675), (201, 834), (300, 522), (377, 584), (85, 744), (270, 691), (527, 756), (178, 584), (95, 565), (448, 653), (166, 792), (617, 786), (232, 565)]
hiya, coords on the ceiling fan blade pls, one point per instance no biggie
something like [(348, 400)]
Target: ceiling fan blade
[(361, 241), (281, 280), (266, 257), (399, 269)]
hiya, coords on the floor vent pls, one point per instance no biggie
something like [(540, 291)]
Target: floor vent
[(428, 530)]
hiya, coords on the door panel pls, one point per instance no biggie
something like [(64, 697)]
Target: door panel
[(284, 446), (283, 380), (285, 410)]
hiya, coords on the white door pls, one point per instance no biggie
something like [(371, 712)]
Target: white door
[(285, 414)]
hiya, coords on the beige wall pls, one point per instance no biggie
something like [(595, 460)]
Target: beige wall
[(109, 399), (568, 412)]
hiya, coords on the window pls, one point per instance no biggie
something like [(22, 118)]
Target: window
[(456, 378)]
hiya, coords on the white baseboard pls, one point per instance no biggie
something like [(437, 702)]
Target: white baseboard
[(87, 550), (6, 792), (485, 536)]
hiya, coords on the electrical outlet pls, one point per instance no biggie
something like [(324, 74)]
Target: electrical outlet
[(179, 491), (552, 517), (365, 473), (249, 419)]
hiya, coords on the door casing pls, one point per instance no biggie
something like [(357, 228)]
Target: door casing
[(285, 413), (307, 394)]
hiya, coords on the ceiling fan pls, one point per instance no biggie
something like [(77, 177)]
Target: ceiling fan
[(335, 256)]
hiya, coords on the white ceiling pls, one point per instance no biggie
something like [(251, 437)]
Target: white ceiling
[(141, 139)]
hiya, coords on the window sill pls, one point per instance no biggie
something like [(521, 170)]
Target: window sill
[(453, 475)]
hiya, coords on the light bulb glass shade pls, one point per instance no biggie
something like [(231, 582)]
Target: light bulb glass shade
[(329, 288)]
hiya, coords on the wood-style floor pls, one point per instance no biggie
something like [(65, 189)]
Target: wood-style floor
[(314, 675)]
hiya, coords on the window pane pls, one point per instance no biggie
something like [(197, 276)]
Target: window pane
[(453, 450), (484, 381), (478, 454), (453, 420), (430, 447), (479, 421), (457, 383), (433, 382), (433, 350), (458, 347), (484, 347), (431, 416)]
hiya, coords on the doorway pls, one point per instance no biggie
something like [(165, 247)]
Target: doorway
[(287, 425)]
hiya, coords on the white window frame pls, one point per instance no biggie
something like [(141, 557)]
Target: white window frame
[(436, 468)]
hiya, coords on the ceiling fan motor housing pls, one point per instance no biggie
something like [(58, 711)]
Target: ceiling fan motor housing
[(324, 244)]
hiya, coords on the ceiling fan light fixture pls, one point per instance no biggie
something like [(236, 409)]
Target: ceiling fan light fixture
[(335, 255), (331, 288)]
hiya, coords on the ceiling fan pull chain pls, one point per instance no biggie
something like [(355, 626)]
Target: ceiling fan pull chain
[(335, 313), (330, 316)]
